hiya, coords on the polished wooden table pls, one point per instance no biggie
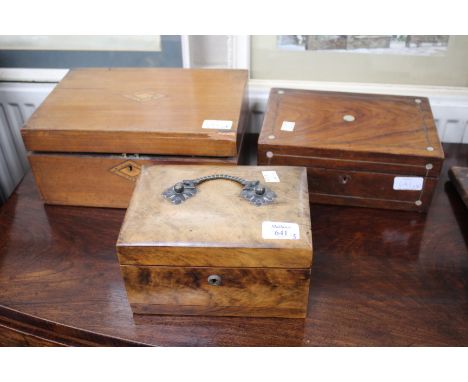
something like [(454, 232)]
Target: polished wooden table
[(379, 278)]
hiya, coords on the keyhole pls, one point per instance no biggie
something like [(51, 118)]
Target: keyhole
[(130, 168), (344, 179)]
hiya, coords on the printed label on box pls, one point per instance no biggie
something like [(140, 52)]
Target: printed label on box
[(270, 176), (216, 124), (288, 126), (280, 230), (408, 183)]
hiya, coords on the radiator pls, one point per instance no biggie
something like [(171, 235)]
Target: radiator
[(452, 123), (17, 103)]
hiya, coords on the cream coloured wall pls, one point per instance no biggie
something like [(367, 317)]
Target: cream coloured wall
[(450, 69), (89, 43)]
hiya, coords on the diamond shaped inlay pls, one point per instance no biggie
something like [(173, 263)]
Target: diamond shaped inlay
[(143, 96), (128, 170)]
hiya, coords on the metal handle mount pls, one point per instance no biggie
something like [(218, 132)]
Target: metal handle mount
[(252, 190)]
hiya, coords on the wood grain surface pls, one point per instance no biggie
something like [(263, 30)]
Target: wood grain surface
[(380, 277), (99, 180), (144, 111), (262, 292), (214, 228), (217, 218), (386, 136), (365, 189), (385, 128)]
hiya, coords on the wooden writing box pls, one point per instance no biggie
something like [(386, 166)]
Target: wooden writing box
[(90, 137), (216, 253), (360, 149)]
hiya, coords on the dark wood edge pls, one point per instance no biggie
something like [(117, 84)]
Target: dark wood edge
[(243, 119), (392, 97), (344, 164), (134, 254), (54, 332), (46, 140), (164, 159), (226, 311), (359, 156), (387, 204), (26, 338)]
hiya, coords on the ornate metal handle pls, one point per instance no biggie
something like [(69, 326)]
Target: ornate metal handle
[(252, 190)]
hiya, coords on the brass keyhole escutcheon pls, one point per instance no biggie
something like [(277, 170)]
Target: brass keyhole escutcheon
[(214, 280), (344, 179)]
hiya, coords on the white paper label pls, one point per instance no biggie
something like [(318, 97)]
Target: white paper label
[(280, 230), (288, 126), (408, 183), (270, 176), (216, 124)]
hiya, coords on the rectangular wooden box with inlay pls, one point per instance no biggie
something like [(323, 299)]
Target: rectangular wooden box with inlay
[(362, 150), (90, 137), (211, 240)]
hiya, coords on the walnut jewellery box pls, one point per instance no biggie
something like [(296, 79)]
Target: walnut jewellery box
[(359, 149), (214, 240), (90, 137)]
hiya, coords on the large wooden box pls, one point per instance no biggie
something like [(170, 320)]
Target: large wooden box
[(217, 253), (359, 149), (90, 137)]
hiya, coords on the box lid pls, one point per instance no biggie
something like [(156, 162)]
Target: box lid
[(358, 127), (144, 111), (217, 226)]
